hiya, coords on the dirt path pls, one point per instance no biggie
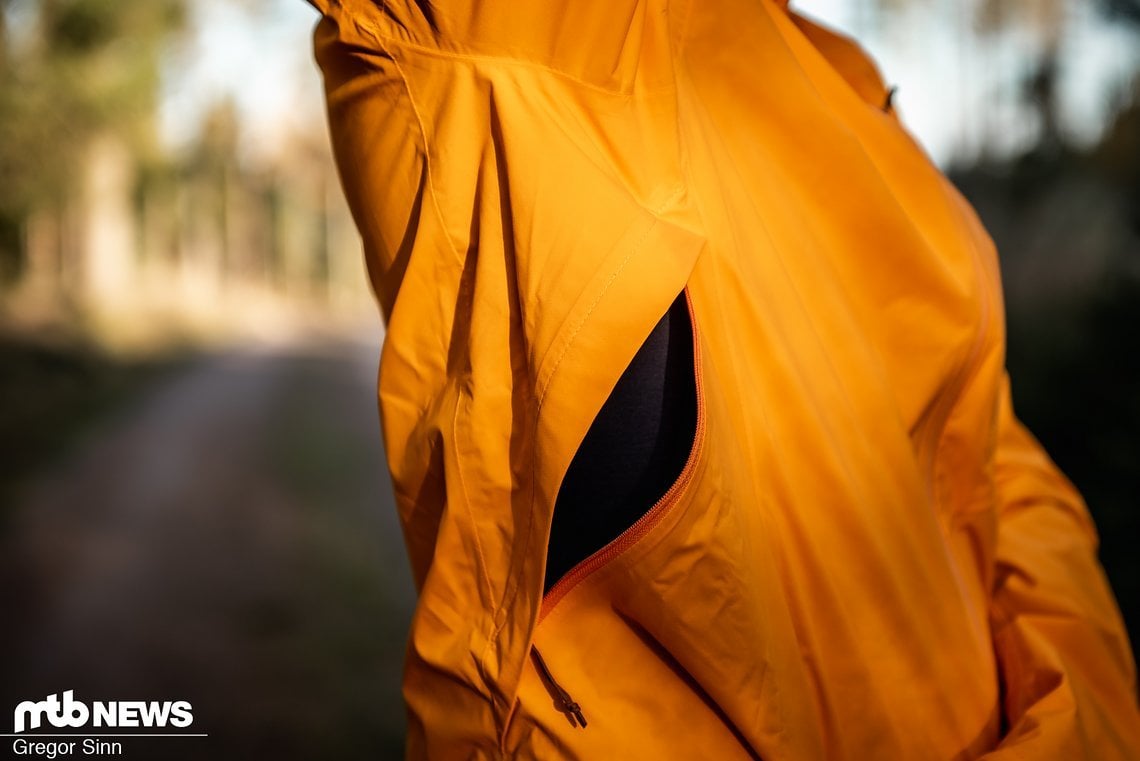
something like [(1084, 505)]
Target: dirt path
[(230, 540)]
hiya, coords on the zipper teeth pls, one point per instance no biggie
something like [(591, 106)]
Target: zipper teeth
[(642, 525)]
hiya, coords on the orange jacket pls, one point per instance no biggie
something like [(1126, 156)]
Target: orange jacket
[(866, 555)]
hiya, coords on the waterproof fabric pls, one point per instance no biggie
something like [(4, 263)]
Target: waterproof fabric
[(866, 556)]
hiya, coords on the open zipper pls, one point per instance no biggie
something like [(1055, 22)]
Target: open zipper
[(631, 535)]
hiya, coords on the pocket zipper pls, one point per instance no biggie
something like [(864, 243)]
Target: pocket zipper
[(651, 517), (631, 535)]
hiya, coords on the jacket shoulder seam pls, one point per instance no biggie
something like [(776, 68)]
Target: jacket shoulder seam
[(388, 41), (422, 130)]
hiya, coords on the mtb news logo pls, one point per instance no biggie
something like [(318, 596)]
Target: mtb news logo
[(72, 713)]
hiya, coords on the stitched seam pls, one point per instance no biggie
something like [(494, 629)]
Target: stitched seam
[(467, 502), (455, 252), (585, 318), (538, 407), (529, 540), (387, 40), (423, 135), (480, 557), (597, 299)]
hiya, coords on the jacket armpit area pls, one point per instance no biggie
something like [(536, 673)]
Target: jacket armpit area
[(866, 555)]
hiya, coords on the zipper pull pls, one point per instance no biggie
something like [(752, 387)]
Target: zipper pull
[(566, 702)]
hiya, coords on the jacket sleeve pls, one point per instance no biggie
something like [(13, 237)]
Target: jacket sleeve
[(1067, 671), (379, 152)]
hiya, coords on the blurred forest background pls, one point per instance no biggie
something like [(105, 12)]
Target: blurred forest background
[(193, 500)]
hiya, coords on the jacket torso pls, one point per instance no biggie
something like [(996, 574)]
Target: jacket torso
[(536, 183)]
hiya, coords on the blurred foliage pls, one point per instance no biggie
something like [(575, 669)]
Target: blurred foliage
[(1118, 154), (1048, 22), (1045, 17), (1127, 10), (69, 70)]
